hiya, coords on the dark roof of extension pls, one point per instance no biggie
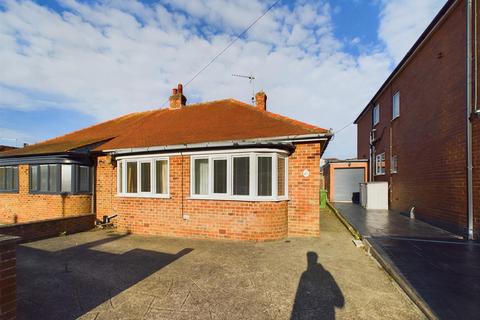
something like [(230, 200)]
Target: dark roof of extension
[(409, 54), (222, 120)]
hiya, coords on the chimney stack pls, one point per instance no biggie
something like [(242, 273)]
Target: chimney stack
[(177, 99), (261, 100)]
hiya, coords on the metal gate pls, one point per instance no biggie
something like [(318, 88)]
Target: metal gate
[(346, 182)]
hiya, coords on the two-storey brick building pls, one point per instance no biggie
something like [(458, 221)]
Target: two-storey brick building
[(421, 132), (220, 169)]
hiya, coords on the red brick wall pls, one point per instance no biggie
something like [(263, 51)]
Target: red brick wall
[(29, 231), (25, 207), (240, 220), (429, 137), (8, 278)]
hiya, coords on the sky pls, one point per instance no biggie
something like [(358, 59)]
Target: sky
[(67, 64)]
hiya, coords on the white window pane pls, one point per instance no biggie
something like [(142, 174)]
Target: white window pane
[(34, 178), (241, 176), (3, 178), (120, 177), (131, 177), (15, 178), (83, 179), (44, 178), (396, 105), (281, 176), (145, 184), (220, 176), (66, 178), (201, 176), (264, 176), (52, 178), (9, 178), (161, 176)]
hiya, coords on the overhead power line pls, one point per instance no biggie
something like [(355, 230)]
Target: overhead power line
[(231, 43), (345, 127)]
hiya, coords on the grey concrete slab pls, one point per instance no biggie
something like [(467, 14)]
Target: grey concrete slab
[(441, 271), (103, 275), (389, 223)]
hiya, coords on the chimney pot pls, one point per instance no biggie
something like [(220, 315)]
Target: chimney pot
[(177, 99), (261, 100)]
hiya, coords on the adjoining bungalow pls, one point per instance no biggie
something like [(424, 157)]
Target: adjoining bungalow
[(421, 130), (220, 169)]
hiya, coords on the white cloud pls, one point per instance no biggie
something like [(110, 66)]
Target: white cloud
[(114, 57), (403, 21)]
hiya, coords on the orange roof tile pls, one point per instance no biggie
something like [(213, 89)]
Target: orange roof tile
[(214, 121)]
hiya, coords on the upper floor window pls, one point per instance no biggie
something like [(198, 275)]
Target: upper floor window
[(8, 178), (60, 178), (143, 177), (394, 164), (396, 105), (376, 115), (380, 164), (250, 176)]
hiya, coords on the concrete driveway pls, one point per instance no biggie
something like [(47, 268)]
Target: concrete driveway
[(104, 275)]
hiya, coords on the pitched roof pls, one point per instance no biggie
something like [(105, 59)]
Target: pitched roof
[(221, 120)]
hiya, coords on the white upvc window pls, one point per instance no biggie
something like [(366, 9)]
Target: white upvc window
[(394, 164), (396, 105), (380, 164), (250, 176), (143, 177), (376, 115)]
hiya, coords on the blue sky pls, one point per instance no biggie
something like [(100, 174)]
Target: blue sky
[(68, 64)]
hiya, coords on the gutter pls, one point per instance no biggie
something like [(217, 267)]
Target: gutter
[(286, 140)]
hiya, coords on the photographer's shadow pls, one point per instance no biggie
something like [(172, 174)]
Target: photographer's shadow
[(317, 294)]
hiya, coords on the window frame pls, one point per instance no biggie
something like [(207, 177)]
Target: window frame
[(74, 179), (376, 115), (395, 116), (377, 166), (122, 183), (15, 178), (253, 176), (394, 164)]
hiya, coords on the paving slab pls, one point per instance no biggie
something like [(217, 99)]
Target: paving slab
[(105, 275), (440, 271)]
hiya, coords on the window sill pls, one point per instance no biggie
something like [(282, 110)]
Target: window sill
[(144, 196), (239, 198), (60, 193), (393, 119)]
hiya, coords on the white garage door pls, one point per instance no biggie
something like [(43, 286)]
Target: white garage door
[(346, 182)]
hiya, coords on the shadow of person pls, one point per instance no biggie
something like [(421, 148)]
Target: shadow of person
[(317, 294)]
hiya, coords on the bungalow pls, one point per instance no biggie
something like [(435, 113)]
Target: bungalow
[(220, 169)]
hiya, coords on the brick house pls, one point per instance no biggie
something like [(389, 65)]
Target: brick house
[(221, 169), (421, 132)]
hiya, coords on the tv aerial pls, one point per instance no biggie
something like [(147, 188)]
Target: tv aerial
[(251, 79)]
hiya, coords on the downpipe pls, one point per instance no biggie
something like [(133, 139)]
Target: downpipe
[(469, 119)]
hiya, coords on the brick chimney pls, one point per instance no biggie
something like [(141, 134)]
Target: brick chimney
[(177, 99), (261, 100)]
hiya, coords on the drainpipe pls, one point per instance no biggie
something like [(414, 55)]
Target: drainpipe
[(469, 121)]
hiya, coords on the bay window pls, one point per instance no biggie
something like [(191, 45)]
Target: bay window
[(142, 177), (60, 178), (239, 176)]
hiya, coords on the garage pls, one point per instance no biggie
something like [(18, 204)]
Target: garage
[(347, 181), (343, 178)]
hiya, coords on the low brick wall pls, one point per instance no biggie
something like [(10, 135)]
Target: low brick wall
[(8, 277), (42, 229)]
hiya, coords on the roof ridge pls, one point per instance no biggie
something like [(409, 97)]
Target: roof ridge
[(279, 116)]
